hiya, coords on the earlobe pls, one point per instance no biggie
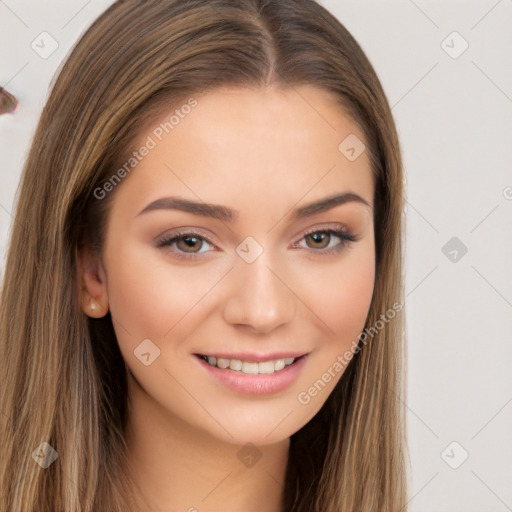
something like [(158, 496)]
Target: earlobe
[(92, 284)]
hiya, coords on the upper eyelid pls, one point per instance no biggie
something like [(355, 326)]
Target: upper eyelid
[(331, 227), (179, 234)]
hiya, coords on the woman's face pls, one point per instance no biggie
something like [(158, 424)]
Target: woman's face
[(237, 264)]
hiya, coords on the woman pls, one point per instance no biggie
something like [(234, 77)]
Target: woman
[(263, 371)]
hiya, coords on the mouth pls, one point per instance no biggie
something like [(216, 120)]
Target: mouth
[(252, 367)]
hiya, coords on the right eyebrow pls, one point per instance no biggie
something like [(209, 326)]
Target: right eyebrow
[(197, 208)]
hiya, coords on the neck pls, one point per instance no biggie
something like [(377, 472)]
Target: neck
[(179, 467)]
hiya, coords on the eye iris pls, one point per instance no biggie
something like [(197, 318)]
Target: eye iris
[(188, 245), (316, 236)]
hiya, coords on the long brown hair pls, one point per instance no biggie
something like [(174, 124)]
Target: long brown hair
[(63, 376)]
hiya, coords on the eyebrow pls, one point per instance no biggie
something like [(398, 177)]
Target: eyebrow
[(227, 214)]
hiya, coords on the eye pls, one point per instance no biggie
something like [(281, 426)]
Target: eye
[(186, 243), (321, 240)]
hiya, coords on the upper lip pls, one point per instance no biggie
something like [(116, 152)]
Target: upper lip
[(253, 357)]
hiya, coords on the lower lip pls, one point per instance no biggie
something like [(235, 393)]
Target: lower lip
[(256, 384)]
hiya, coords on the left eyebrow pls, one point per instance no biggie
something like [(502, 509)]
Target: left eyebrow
[(327, 203)]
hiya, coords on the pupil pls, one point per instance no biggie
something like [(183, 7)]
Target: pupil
[(190, 241), (316, 237)]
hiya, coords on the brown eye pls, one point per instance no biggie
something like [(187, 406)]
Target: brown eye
[(189, 243), (320, 239), (185, 244)]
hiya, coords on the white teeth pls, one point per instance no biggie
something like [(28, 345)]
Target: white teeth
[(264, 367), (250, 368), (222, 363), (235, 364), (280, 363)]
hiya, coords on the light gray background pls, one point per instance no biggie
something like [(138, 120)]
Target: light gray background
[(454, 117)]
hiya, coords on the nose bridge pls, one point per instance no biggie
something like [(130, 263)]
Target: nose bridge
[(258, 296)]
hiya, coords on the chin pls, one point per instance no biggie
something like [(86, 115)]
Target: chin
[(260, 423)]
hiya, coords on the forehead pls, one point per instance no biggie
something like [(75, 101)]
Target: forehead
[(238, 144)]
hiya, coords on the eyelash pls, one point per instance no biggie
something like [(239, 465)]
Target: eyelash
[(344, 236)]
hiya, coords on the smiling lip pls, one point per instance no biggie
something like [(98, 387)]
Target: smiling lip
[(254, 357), (256, 384)]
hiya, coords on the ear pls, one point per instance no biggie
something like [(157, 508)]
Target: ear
[(92, 283)]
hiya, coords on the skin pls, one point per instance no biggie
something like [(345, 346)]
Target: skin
[(263, 152)]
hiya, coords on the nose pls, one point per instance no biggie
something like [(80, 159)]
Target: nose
[(258, 296)]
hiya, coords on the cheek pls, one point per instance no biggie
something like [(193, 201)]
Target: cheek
[(349, 301), (342, 304), (149, 296), (340, 294)]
